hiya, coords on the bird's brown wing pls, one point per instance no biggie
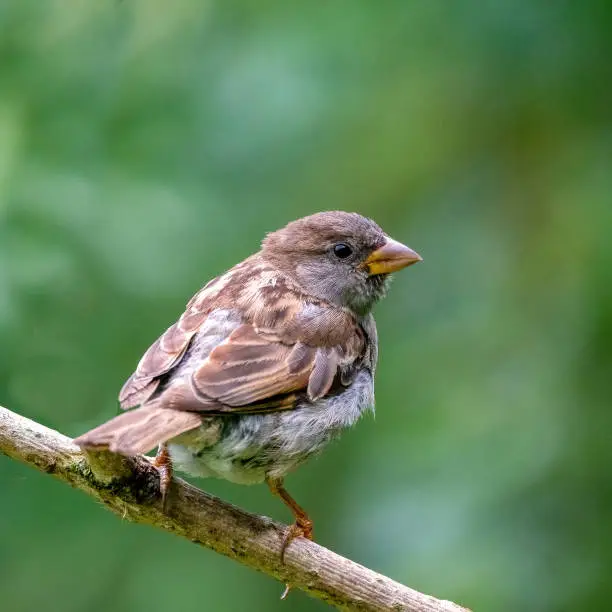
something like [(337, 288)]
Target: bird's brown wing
[(282, 345), (248, 342), (249, 372), (253, 370)]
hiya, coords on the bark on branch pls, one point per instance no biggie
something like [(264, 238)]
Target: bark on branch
[(129, 487)]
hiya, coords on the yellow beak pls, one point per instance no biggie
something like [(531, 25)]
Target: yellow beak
[(390, 257)]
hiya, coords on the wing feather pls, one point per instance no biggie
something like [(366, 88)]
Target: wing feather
[(323, 373), (249, 342), (248, 368), (285, 346)]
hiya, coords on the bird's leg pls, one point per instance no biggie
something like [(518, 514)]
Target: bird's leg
[(163, 463), (302, 526)]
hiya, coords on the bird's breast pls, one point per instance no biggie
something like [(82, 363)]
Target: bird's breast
[(251, 447)]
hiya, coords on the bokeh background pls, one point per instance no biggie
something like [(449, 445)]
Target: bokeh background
[(146, 146)]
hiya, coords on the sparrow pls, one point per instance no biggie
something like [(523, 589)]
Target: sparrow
[(269, 362)]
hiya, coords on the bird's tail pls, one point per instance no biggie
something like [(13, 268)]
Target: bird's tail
[(139, 431)]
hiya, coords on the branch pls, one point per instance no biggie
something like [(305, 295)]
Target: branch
[(129, 487)]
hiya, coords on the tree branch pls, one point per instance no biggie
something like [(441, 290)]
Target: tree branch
[(129, 487)]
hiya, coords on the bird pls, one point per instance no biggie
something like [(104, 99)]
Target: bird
[(268, 363)]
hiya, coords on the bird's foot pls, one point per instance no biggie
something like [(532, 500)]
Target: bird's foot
[(302, 528), (163, 463)]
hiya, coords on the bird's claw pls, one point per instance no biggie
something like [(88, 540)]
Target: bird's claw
[(299, 529), (163, 463)]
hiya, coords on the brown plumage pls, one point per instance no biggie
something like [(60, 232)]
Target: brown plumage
[(269, 361), (138, 431), (257, 361)]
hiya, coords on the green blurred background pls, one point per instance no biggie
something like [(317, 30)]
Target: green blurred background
[(146, 146)]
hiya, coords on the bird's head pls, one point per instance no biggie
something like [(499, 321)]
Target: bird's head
[(340, 257)]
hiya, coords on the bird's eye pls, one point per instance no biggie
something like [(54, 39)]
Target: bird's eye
[(342, 250)]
